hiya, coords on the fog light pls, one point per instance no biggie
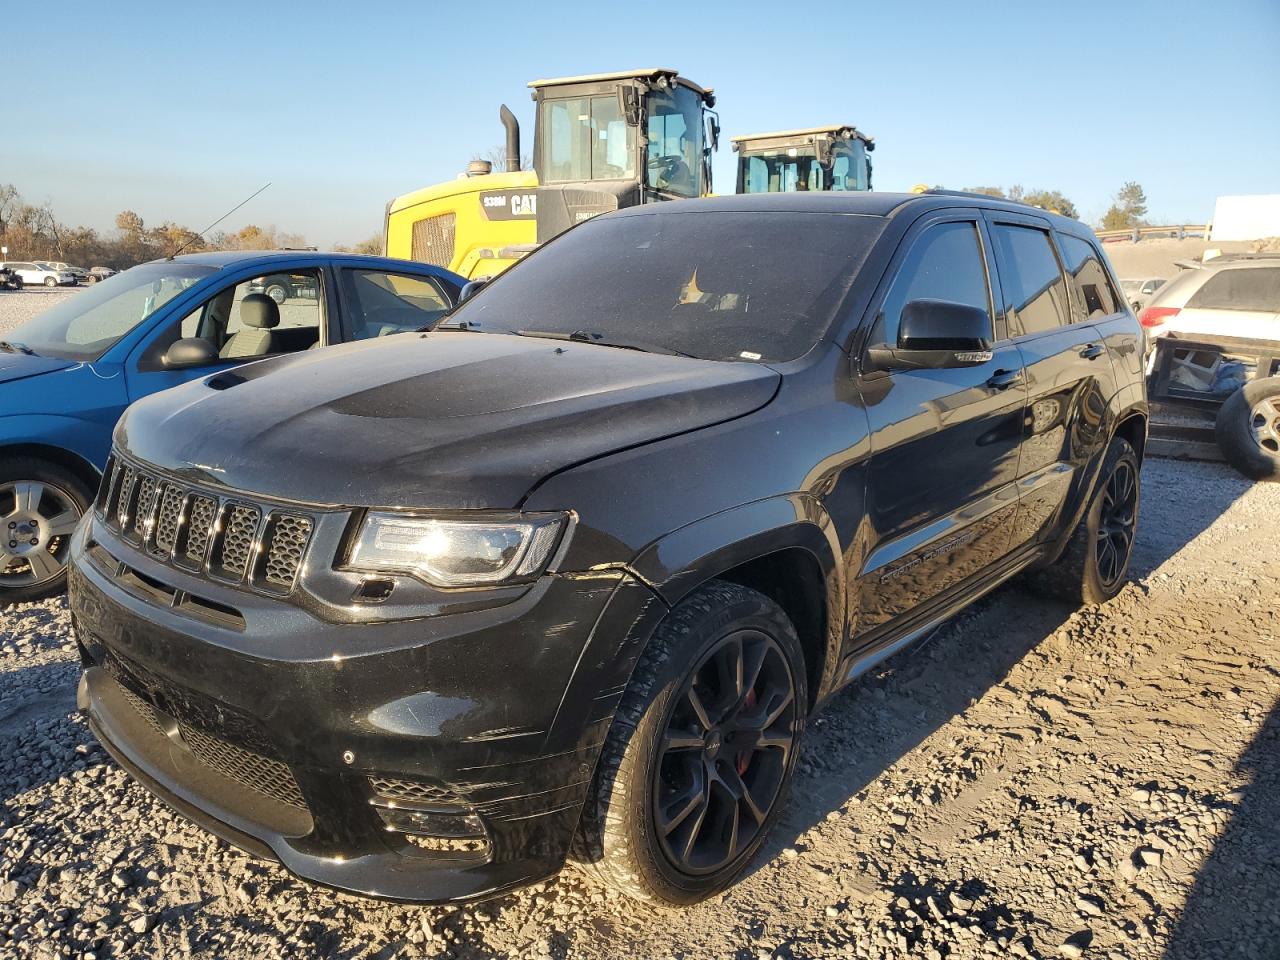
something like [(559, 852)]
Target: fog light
[(432, 823)]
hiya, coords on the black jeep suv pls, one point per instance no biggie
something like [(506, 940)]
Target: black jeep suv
[(423, 616)]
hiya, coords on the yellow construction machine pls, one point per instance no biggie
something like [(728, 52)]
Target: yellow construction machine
[(818, 158), (601, 142)]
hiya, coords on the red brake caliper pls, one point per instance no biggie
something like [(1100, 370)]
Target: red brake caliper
[(743, 760)]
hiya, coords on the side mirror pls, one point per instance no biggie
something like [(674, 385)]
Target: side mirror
[(190, 352), (472, 288), (629, 105), (935, 335)]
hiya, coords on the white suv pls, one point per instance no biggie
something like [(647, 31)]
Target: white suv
[(40, 273)]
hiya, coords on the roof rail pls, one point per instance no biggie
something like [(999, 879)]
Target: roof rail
[(938, 192)]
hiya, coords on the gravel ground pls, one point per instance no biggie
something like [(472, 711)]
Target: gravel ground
[(1036, 782), (19, 306)]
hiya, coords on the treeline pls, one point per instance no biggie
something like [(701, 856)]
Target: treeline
[(1128, 208), (32, 232)]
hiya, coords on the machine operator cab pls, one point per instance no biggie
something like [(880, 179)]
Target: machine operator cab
[(601, 142), (614, 140), (819, 159)]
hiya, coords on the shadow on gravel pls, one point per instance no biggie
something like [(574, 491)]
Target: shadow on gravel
[(884, 716), (33, 695), (1180, 500), (1232, 909)]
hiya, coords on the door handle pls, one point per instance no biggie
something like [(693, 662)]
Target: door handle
[(1093, 351), (1004, 379)]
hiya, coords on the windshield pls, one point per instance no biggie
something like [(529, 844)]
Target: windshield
[(85, 326), (587, 139), (796, 169), (675, 142), (717, 286), (785, 172)]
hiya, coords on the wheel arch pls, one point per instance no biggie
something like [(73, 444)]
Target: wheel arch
[(785, 548), (77, 465)]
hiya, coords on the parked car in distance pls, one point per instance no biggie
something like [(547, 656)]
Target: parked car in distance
[(285, 286), (1229, 309), (35, 273), (10, 279), (571, 571), (1139, 291), (98, 274), (68, 374), (81, 274)]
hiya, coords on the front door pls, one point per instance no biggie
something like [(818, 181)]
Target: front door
[(941, 481)]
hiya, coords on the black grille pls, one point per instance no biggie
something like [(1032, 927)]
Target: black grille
[(199, 528), (203, 532), (288, 541), (239, 530), (271, 778), (167, 518), (433, 240), (411, 791)]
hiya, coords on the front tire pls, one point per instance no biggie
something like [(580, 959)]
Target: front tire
[(1094, 567), (50, 281), (701, 751), (40, 505), (1248, 429), (277, 292)]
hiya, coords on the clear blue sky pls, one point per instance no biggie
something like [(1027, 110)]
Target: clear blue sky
[(178, 111)]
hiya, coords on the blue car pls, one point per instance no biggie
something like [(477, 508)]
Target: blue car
[(67, 375)]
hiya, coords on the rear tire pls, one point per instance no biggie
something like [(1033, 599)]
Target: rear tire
[(1094, 567), (277, 292), (40, 504), (700, 755), (1248, 429)]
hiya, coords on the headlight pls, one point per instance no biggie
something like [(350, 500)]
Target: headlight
[(455, 552)]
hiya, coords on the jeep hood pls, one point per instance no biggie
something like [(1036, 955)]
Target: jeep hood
[(439, 420), (19, 366)]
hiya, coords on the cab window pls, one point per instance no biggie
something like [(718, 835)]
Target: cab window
[(675, 142), (944, 263), (1035, 294), (586, 138), (379, 304)]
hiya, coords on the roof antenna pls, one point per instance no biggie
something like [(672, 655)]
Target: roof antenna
[(200, 235)]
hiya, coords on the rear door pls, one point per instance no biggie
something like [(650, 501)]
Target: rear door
[(1068, 370), (942, 474)]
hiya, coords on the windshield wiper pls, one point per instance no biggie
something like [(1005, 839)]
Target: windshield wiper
[(584, 336), (11, 347)]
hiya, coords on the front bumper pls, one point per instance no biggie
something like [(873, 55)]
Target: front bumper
[(282, 739)]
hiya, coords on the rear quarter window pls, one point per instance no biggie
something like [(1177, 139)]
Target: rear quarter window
[(1250, 288)]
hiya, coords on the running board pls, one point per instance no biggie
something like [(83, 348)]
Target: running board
[(861, 662)]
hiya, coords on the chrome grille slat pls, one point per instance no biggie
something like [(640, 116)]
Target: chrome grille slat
[(220, 537), (286, 544), (239, 535), (168, 518), (202, 512)]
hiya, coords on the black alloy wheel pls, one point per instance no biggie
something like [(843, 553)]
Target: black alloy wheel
[(724, 754), (1116, 523)]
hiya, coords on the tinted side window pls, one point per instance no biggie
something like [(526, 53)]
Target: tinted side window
[(1092, 285), (1250, 288), (1035, 295), (945, 263)]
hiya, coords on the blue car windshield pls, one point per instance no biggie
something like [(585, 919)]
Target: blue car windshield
[(87, 324)]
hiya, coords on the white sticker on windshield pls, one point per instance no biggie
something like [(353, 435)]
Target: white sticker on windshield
[(748, 355)]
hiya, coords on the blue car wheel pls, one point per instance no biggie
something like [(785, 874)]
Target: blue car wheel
[(40, 505)]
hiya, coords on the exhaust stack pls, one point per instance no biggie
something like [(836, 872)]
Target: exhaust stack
[(513, 139)]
